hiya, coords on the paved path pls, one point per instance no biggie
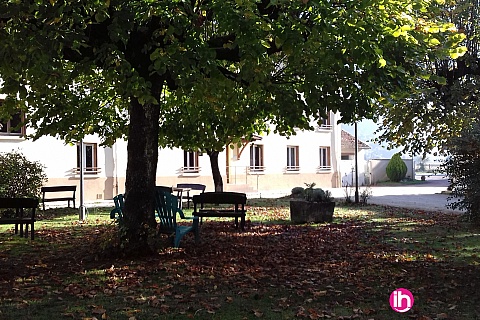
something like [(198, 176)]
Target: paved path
[(424, 196)]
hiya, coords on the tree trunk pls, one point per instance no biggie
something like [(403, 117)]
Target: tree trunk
[(142, 158), (217, 177)]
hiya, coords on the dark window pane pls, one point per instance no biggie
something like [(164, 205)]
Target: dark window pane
[(3, 126), (78, 156), (89, 158), (15, 122)]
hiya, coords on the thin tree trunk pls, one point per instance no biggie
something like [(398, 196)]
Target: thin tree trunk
[(140, 177), (217, 177)]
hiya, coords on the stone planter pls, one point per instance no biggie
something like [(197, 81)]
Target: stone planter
[(302, 211)]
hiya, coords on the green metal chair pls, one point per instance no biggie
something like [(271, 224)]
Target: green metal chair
[(117, 212), (166, 205)]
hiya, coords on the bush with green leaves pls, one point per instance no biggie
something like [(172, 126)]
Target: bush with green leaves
[(298, 192), (311, 194), (317, 195), (463, 169), (20, 177), (396, 168)]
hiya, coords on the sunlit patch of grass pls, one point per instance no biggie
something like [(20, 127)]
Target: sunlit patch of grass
[(272, 270)]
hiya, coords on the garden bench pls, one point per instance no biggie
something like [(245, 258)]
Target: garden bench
[(191, 187), (166, 206), (215, 199), (64, 190), (20, 211)]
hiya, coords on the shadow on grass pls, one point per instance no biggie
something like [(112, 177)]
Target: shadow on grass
[(59, 212), (272, 271)]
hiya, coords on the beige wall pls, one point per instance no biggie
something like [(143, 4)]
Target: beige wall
[(94, 188), (289, 181), (60, 160), (105, 188), (377, 168)]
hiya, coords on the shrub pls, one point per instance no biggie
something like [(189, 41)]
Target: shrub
[(298, 192), (463, 169), (396, 168), (317, 195), (365, 195), (311, 194), (20, 177)]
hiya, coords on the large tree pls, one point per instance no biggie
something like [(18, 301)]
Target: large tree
[(227, 114), (445, 104), (114, 67)]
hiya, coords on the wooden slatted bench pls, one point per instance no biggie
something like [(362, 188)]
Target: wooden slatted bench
[(190, 187), (216, 199), (20, 212), (64, 190)]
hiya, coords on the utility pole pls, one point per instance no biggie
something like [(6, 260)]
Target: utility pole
[(357, 199), (81, 213)]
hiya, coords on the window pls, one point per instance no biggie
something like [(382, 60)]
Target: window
[(325, 123), (256, 157), (292, 158), (190, 162), (346, 157), (11, 126), (324, 159), (89, 158)]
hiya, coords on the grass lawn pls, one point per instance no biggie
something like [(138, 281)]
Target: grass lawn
[(274, 270), (399, 184)]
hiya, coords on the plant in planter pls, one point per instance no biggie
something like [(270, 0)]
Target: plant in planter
[(311, 204)]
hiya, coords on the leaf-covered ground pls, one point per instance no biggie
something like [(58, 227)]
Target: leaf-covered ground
[(273, 270)]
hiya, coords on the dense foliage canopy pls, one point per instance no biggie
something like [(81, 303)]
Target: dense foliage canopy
[(127, 68), (443, 105)]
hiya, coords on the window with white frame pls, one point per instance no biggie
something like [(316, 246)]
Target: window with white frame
[(292, 158), (256, 158), (12, 126), (89, 158), (325, 164), (325, 123), (190, 162)]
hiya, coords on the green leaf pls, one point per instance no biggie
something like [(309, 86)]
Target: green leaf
[(382, 62), (434, 42), (265, 43), (457, 52)]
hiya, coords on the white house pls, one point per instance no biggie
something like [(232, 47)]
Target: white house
[(270, 162), (347, 163)]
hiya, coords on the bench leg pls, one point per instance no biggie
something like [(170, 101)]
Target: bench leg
[(21, 229)]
